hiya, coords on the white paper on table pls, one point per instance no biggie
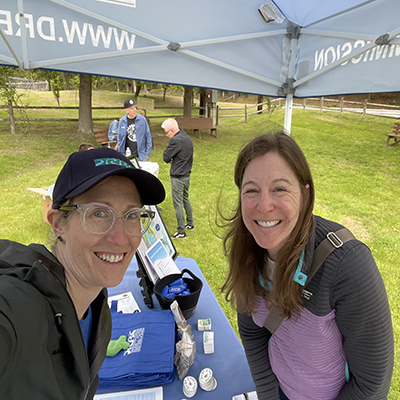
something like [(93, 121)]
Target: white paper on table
[(150, 166), (250, 396), (155, 393), (126, 303), (161, 261)]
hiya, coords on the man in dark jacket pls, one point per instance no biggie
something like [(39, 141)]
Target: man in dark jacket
[(179, 153)]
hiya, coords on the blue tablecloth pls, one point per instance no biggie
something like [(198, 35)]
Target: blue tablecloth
[(228, 362)]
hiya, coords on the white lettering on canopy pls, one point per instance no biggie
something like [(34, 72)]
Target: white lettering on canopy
[(86, 34), (329, 55), (28, 25), (7, 22), (51, 30)]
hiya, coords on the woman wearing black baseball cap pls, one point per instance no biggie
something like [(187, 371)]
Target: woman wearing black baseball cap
[(55, 323)]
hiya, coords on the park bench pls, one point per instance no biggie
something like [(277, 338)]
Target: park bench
[(101, 136), (197, 125), (395, 135)]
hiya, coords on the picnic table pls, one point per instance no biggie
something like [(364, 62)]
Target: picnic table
[(197, 124), (101, 136)]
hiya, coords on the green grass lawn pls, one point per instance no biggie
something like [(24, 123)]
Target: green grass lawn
[(356, 178)]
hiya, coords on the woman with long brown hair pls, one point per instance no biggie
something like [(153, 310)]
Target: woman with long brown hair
[(326, 346)]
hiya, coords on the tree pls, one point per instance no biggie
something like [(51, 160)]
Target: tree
[(271, 106), (8, 92), (259, 101), (54, 78), (138, 88), (56, 84), (187, 102), (165, 87), (55, 87), (85, 125), (202, 103)]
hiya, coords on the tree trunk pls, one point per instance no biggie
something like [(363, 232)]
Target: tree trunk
[(202, 104), (138, 87), (85, 126), (259, 107), (164, 92), (187, 102), (11, 114), (65, 80)]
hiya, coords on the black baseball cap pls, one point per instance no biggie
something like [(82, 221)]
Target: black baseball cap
[(129, 103), (85, 169)]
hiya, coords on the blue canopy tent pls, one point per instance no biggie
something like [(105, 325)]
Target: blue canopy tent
[(301, 48)]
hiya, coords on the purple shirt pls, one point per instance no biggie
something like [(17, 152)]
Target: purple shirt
[(306, 354)]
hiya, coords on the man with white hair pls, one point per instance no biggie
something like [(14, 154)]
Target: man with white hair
[(179, 153)]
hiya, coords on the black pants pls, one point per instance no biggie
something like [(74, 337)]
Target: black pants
[(282, 395)]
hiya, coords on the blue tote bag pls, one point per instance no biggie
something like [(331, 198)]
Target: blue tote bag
[(149, 359)]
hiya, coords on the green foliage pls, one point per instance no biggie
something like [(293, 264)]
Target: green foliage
[(54, 78), (8, 93), (356, 178), (56, 85), (271, 106)]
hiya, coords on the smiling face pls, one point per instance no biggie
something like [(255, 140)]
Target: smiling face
[(271, 201), (94, 261)]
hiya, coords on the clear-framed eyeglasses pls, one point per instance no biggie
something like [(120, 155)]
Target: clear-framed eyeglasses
[(99, 219)]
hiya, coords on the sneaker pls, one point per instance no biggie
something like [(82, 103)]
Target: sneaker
[(178, 235), (190, 227)]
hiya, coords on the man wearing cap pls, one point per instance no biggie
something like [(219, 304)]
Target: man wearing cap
[(179, 153), (55, 323), (134, 137)]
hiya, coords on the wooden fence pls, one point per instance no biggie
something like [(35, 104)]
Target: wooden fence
[(95, 120), (28, 84), (118, 114), (320, 103)]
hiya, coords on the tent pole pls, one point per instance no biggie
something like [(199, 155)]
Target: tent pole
[(14, 54), (288, 113), (24, 44), (293, 36)]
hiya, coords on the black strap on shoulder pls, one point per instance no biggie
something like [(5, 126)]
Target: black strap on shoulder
[(333, 240)]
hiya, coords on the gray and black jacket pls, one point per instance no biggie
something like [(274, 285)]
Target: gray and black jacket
[(180, 150), (341, 345)]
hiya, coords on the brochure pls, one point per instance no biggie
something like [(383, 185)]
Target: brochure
[(246, 396), (155, 393), (126, 303), (156, 231), (161, 261)]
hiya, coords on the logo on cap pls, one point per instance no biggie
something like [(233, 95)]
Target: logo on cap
[(111, 161), (129, 103)]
